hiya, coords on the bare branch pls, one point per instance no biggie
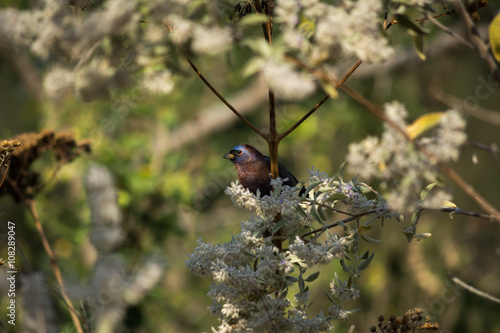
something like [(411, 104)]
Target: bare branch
[(489, 116), (458, 211), (477, 40), (473, 290), (212, 88), (323, 100)]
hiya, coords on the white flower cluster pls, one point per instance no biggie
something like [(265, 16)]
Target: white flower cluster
[(286, 82), (402, 168), (312, 253), (344, 294), (355, 200), (282, 199), (448, 139), (239, 292), (251, 274), (322, 31)]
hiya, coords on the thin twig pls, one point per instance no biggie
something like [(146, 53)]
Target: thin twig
[(450, 32), (493, 149), (349, 219), (212, 88), (53, 263), (297, 124), (489, 116), (458, 211), (466, 187), (5, 174), (477, 41), (473, 290)]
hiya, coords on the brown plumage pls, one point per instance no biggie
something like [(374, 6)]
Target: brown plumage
[(254, 169)]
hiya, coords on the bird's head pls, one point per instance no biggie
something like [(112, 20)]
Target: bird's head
[(242, 154)]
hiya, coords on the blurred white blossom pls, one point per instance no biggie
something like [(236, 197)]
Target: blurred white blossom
[(404, 170), (211, 40), (286, 82), (59, 82), (158, 82)]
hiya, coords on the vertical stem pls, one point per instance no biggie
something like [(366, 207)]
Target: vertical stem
[(273, 137), (273, 141), (53, 263)]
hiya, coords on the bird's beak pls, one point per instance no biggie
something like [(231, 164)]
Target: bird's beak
[(228, 156)]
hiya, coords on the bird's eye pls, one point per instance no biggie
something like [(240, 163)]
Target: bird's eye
[(238, 152)]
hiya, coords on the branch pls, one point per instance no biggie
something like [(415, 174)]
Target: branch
[(477, 40), (349, 219), (5, 174), (466, 187), (456, 210), (493, 149), (297, 124), (450, 32), (193, 66), (489, 116), (53, 263), (473, 290)]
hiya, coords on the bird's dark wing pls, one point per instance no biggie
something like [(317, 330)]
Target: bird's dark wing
[(284, 173)]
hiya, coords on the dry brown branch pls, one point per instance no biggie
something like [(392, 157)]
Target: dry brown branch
[(473, 290), (476, 39)]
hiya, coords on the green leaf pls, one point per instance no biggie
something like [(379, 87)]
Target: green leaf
[(277, 226), (363, 229), (330, 297), (418, 43), (364, 189), (312, 277), (370, 240), (364, 255), (350, 312), (336, 196), (302, 285), (284, 293), (292, 279), (411, 27), (292, 236), (409, 236), (312, 185), (341, 170), (315, 214), (426, 190), (258, 232), (365, 263), (322, 213), (349, 282), (344, 266), (307, 25), (301, 211), (254, 19)]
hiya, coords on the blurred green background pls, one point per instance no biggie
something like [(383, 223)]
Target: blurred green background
[(166, 155)]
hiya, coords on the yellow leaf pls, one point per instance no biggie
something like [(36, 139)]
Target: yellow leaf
[(494, 33), (423, 124), (329, 88), (448, 204)]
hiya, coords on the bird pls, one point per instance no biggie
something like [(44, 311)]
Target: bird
[(254, 168)]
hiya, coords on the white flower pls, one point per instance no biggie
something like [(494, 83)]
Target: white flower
[(211, 40), (286, 82)]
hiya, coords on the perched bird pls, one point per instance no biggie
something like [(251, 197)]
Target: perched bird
[(254, 169)]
